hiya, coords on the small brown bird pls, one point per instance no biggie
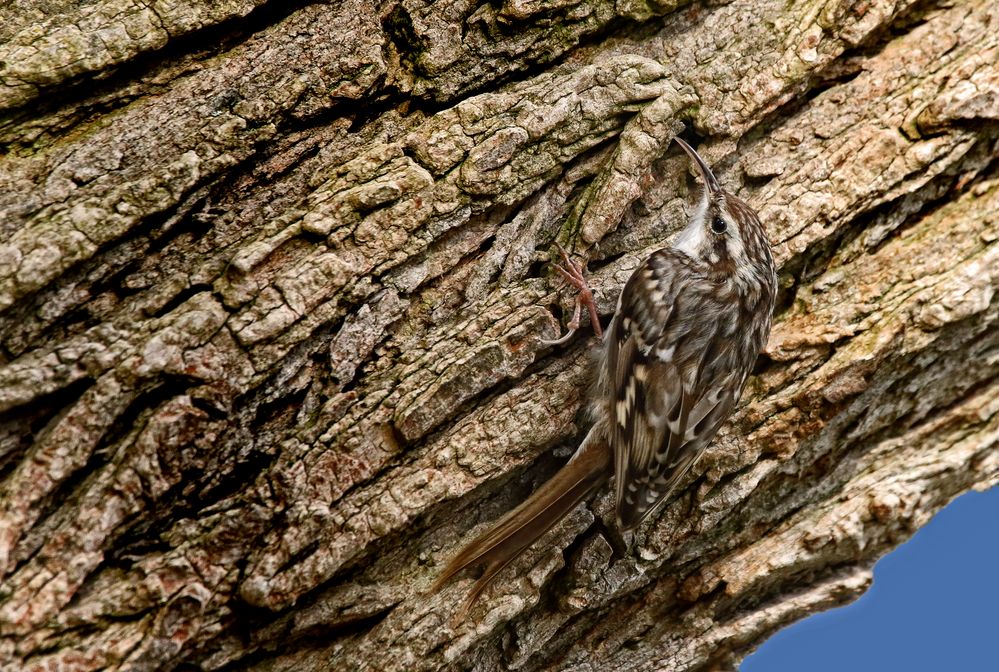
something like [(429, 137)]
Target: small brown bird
[(688, 327)]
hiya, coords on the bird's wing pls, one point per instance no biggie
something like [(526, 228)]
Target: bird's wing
[(669, 386)]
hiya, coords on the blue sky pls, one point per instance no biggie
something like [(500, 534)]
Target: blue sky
[(934, 606)]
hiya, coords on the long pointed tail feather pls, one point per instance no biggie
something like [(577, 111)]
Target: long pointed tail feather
[(498, 546)]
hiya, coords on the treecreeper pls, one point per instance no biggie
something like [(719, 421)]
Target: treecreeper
[(673, 362)]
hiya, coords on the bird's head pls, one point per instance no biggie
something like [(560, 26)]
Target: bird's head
[(723, 230)]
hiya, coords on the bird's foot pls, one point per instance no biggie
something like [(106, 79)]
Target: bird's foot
[(573, 274)]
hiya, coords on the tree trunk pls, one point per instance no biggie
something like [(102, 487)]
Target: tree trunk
[(274, 279)]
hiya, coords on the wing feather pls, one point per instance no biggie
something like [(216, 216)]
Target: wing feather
[(671, 381)]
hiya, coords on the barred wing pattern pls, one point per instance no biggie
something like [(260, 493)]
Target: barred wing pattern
[(675, 368)]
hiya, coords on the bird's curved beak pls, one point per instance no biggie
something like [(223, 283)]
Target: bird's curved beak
[(709, 178)]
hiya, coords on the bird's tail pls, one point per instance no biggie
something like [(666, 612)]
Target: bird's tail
[(498, 546)]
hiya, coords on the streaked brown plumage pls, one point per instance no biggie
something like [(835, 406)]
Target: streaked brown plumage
[(688, 327)]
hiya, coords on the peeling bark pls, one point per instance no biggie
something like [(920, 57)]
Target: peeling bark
[(273, 286)]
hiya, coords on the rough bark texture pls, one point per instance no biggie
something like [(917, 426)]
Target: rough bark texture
[(273, 278)]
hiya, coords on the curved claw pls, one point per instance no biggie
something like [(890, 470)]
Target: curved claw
[(559, 341), (573, 274)]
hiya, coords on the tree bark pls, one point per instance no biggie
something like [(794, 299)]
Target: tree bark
[(274, 279)]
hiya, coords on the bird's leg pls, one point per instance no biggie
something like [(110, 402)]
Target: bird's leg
[(572, 273)]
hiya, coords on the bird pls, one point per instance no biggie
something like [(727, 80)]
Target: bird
[(689, 325)]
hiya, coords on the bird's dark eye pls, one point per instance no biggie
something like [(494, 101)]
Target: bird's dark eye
[(718, 225)]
